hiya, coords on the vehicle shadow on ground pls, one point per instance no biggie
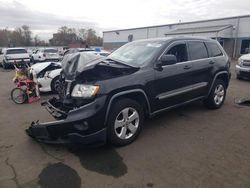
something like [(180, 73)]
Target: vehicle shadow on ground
[(173, 114), (103, 160)]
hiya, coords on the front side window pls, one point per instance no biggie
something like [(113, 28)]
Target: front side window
[(197, 50), (137, 53), (180, 51)]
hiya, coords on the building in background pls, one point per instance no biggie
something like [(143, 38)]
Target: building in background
[(233, 33)]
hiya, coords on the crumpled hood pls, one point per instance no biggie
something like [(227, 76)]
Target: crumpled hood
[(38, 67), (74, 64)]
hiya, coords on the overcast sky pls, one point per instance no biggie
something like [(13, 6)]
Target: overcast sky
[(45, 16)]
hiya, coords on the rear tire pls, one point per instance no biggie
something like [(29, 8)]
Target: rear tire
[(125, 122), (238, 77), (217, 95), (18, 95)]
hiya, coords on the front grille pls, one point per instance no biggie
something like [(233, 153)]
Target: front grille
[(245, 74), (246, 63)]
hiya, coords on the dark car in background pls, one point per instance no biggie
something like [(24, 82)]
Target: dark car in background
[(107, 98)]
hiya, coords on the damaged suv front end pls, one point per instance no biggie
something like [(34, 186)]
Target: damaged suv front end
[(81, 106)]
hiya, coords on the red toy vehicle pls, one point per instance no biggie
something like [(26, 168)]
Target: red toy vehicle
[(26, 89)]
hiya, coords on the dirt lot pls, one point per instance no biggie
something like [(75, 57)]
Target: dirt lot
[(187, 147)]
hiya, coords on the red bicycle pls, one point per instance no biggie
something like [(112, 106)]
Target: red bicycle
[(26, 89)]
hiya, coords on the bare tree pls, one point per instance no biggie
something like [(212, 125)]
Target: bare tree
[(26, 35)]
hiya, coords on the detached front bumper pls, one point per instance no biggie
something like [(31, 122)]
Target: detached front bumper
[(82, 125)]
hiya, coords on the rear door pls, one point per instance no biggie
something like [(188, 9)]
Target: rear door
[(173, 83), (202, 67)]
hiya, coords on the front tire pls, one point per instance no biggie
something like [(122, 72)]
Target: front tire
[(125, 122), (55, 83), (238, 77), (217, 95)]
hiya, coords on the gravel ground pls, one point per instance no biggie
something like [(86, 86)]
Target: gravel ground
[(187, 147)]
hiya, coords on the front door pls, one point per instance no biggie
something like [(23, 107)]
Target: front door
[(173, 83)]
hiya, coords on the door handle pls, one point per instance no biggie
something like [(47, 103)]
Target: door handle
[(211, 62), (187, 67)]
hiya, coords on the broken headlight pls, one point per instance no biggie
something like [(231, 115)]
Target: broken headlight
[(85, 91)]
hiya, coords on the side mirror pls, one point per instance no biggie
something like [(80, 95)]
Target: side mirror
[(168, 60)]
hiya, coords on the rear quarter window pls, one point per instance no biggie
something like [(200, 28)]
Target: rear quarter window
[(197, 50), (213, 49)]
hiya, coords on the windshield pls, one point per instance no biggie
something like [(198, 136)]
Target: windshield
[(16, 51), (137, 53), (50, 50)]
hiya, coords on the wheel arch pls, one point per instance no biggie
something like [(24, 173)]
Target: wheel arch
[(135, 94), (223, 75)]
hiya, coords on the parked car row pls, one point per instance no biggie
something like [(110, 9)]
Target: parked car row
[(46, 63)]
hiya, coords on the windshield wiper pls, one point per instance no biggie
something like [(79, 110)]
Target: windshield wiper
[(120, 62)]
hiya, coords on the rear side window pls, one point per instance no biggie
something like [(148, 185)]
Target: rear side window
[(213, 49), (197, 50), (16, 51)]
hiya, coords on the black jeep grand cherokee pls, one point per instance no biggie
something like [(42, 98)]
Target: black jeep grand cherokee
[(107, 99)]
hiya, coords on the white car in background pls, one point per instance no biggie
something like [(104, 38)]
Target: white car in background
[(243, 67), (9, 56), (47, 75), (62, 50), (46, 54)]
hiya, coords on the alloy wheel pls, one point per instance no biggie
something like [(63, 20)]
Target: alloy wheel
[(219, 93), (127, 123)]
